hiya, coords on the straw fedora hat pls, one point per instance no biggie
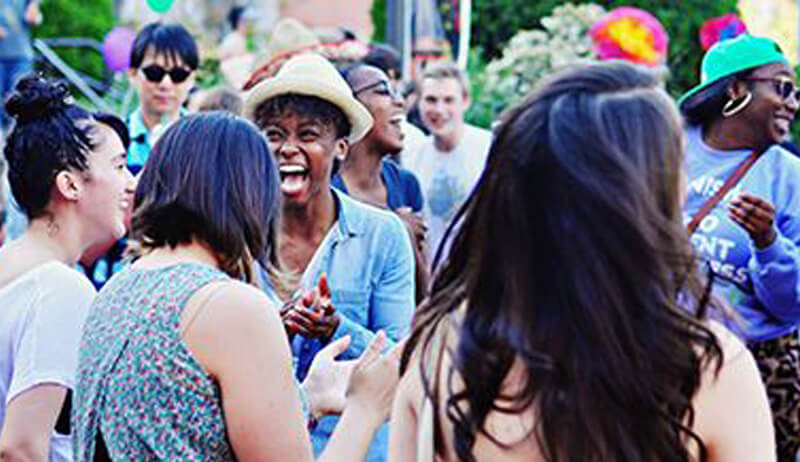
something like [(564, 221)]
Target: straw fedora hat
[(311, 74)]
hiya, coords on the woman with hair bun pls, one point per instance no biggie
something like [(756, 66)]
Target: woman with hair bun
[(66, 168)]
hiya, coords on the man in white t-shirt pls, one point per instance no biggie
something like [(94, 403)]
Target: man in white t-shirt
[(452, 158)]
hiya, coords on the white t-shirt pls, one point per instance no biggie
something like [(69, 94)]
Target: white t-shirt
[(41, 317), (447, 178)]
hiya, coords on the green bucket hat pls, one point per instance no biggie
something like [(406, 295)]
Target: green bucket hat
[(735, 55)]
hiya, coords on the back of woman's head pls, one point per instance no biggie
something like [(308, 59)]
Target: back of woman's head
[(210, 178), (50, 134), (569, 257)]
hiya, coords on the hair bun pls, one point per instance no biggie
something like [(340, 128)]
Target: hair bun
[(34, 98)]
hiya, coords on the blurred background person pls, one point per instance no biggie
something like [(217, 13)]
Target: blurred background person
[(16, 52), (451, 160), (370, 176), (387, 59), (220, 99), (164, 59)]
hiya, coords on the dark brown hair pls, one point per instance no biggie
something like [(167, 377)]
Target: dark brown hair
[(570, 258), (212, 178)]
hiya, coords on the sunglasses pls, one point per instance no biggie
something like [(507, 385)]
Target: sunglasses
[(785, 88), (382, 88), (155, 73)]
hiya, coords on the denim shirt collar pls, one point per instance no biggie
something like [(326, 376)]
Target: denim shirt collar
[(350, 216)]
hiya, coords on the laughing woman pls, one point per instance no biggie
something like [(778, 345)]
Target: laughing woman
[(310, 118), (749, 237), (67, 171), (367, 172)]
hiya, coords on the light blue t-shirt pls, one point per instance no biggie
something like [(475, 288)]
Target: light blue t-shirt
[(763, 286)]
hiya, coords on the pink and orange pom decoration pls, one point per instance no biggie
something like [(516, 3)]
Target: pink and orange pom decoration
[(631, 34), (722, 28)]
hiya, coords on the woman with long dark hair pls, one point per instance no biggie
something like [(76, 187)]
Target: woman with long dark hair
[(66, 167), (567, 322), (744, 208)]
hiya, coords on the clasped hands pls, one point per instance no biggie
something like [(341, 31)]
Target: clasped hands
[(311, 315)]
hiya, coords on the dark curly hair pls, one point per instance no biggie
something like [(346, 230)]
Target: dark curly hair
[(571, 259), (47, 138), (307, 105)]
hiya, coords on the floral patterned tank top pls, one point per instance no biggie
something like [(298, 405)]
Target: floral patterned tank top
[(137, 384)]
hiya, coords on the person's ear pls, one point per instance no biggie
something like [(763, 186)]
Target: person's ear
[(340, 149), (133, 77), (738, 89), (68, 185)]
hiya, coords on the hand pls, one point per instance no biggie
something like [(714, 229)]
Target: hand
[(33, 15), (327, 379), (756, 216), (3, 32), (414, 223), (374, 378), (314, 316)]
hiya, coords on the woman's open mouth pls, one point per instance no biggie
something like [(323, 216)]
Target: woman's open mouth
[(294, 178)]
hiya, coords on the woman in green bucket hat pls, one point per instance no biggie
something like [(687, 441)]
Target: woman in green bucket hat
[(743, 209)]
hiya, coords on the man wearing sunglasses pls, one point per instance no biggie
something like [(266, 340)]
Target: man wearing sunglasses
[(164, 58)]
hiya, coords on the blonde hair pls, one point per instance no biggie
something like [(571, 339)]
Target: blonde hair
[(446, 70)]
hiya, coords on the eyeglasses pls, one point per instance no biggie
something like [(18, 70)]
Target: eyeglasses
[(783, 87), (155, 73), (382, 88)]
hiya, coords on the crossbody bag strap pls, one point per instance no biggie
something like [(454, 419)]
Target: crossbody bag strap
[(732, 180)]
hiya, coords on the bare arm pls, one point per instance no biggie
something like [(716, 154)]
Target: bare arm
[(732, 411), (403, 436), (242, 343), (29, 422)]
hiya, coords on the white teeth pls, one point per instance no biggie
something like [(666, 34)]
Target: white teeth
[(292, 169), (396, 119)]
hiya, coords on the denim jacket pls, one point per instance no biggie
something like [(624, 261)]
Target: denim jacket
[(368, 258)]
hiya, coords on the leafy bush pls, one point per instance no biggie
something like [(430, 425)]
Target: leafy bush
[(85, 19), (495, 22), (532, 55)]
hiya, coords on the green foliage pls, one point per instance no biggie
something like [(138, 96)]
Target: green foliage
[(530, 56), (73, 18), (495, 22), (378, 14)]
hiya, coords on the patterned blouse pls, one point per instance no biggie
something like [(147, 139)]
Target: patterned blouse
[(137, 383)]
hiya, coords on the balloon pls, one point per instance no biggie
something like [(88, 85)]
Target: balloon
[(117, 47), (160, 6)]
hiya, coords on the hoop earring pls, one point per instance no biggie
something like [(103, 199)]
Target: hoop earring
[(734, 106)]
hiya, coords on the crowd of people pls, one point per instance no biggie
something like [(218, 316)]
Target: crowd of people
[(281, 274)]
